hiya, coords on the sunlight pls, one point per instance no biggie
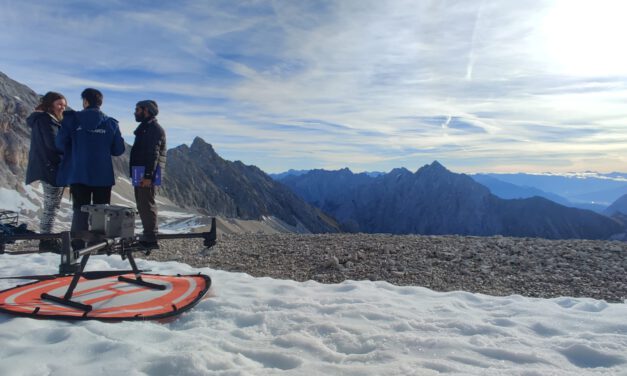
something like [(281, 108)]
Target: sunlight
[(584, 37)]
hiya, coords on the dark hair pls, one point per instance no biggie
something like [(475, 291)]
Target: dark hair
[(150, 106), (92, 96), (45, 102)]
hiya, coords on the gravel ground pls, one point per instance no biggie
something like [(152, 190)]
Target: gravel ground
[(489, 265)]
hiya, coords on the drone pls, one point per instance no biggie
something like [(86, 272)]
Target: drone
[(106, 295)]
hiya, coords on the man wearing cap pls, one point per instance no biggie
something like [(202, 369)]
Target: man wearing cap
[(149, 154)]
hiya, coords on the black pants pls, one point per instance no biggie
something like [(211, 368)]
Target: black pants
[(147, 208), (85, 195)]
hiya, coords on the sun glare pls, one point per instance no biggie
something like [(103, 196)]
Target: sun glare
[(586, 38)]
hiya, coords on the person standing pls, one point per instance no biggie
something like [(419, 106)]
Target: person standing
[(148, 153), (88, 139), (44, 160)]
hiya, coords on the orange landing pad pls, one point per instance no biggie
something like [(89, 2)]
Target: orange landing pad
[(109, 298)]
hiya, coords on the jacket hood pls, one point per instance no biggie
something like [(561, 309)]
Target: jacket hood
[(35, 117), (91, 118)]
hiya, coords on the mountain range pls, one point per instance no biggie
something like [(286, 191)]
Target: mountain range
[(506, 190), (434, 200), (590, 190), (593, 191)]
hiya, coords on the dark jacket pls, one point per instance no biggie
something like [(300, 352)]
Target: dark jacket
[(88, 139), (149, 148), (43, 156)]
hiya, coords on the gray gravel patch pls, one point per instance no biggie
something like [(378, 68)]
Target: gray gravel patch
[(496, 265)]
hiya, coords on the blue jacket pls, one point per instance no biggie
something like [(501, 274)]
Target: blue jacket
[(43, 156), (88, 139)]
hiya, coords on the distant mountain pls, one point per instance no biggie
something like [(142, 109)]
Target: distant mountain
[(334, 192), (374, 174), (197, 177), (618, 212), (434, 200), (619, 206), (507, 190), (603, 197), (590, 188), (290, 172)]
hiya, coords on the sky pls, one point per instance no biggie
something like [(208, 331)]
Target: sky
[(480, 86), (264, 326)]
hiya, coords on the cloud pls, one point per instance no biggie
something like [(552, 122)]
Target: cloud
[(365, 84)]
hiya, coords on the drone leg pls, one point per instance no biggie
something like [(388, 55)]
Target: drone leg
[(67, 298), (68, 256), (138, 278)]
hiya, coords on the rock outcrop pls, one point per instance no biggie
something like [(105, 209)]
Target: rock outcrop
[(16, 103)]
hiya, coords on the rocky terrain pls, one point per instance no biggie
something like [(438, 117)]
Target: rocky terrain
[(16, 103), (489, 265)]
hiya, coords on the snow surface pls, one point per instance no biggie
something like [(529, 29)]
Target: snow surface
[(12, 200), (263, 326)]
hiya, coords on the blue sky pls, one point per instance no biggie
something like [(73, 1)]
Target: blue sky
[(481, 86)]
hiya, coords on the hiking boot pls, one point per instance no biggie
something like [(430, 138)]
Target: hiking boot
[(50, 245)]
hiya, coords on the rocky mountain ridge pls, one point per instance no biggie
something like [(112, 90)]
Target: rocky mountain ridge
[(197, 177), (16, 102), (436, 201)]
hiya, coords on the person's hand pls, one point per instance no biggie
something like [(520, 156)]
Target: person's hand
[(145, 183)]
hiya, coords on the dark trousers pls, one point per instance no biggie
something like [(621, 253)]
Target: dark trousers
[(147, 208), (85, 195)]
